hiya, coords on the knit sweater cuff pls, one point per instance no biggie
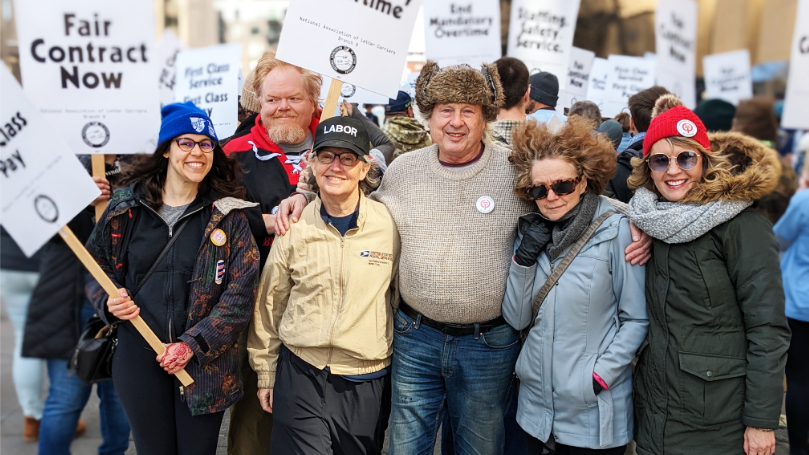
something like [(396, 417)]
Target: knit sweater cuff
[(266, 379)]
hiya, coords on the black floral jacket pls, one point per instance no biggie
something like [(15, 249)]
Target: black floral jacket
[(217, 313)]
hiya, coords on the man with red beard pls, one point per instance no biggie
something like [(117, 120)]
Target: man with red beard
[(269, 146)]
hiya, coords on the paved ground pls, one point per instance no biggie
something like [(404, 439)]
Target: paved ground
[(11, 442)]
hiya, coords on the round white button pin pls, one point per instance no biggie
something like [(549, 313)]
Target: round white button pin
[(485, 204)]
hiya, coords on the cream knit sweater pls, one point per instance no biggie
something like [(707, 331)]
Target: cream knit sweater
[(454, 259)]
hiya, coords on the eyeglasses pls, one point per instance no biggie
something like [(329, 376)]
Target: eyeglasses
[(686, 160), (559, 187), (186, 144), (347, 159)]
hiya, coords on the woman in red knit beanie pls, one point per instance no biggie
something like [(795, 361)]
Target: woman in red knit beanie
[(708, 378)]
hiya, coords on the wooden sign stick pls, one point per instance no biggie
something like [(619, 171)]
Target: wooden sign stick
[(330, 105), (99, 170), (105, 282)]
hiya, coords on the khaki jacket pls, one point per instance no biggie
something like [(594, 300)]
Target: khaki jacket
[(326, 297)]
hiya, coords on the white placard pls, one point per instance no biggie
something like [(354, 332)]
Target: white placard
[(209, 77), (43, 185), (409, 86), (362, 43), (352, 94), (167, 52), (90, 67), (676, 40), (462, 32), (597, 84), (627, 76), (578, 75), (796, 103), (727, 76), (541, 35)]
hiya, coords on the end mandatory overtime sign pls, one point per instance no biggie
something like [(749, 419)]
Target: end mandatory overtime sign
[(90, 67)]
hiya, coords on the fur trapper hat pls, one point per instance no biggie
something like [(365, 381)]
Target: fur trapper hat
[(460, 84)]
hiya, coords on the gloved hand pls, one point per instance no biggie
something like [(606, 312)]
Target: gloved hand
[(597, 387), (534, 239)]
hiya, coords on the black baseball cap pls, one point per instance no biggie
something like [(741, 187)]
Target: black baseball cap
[(401, 103), (342, 132)]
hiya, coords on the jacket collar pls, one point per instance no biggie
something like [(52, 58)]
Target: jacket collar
[(363, 209)]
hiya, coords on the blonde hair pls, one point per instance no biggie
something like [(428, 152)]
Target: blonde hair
[(312, 81), (714, 166)]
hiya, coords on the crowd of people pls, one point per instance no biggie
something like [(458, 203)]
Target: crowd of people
[(476, 264)]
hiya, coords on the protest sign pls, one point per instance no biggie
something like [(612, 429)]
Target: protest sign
[(43, 184), (578, 77), (627, 76), (796, 103), (362, 43), (167, 52), (209, 77), (541, 35), (676, 37), (352, 94), (462, 32), (90, 67), (597, 84), (727, 76)]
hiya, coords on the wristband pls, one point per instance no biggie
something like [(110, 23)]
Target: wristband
[(766, 430)]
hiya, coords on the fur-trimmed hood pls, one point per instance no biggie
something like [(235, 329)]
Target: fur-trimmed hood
[(753, 170)]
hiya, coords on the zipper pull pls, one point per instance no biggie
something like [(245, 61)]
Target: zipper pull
[(182, 394)]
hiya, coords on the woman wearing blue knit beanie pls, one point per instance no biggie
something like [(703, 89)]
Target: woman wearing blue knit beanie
[(177, 244)]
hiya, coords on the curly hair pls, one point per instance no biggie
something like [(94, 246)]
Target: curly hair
[(268, 62), (714, 166), (593, 157), (224, 177)]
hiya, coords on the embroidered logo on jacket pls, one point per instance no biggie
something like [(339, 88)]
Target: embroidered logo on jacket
[(376, 258)]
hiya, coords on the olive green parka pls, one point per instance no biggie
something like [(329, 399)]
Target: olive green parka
[(713, 361)]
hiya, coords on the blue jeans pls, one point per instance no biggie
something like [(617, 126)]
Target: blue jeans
[(67, 397), (468, 377)]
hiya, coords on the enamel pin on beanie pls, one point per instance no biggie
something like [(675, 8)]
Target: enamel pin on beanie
[(670, 119)]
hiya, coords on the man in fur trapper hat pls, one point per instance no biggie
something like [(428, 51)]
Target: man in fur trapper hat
[(456, 212)]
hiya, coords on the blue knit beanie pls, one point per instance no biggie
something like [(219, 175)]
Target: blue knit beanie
[(184, 118)]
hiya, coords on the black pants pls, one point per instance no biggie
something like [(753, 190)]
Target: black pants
[(536, 447), (315, 412), (161, 422), (797, 400)]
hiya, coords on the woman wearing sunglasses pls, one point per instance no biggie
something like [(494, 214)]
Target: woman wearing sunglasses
[(709, 376), (177, 244), (575, 366), (322, 333)]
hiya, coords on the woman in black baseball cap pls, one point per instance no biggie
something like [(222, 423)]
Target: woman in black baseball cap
[(322, 333)]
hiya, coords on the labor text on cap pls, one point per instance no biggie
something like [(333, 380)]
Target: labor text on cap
[(345, 129)]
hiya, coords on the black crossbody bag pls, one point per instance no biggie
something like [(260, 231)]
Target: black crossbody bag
[(92, 358)]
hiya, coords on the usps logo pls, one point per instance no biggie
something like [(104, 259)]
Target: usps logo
[(198, 124), (365, 254)]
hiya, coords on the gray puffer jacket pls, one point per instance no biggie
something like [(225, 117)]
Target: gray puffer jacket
[(593, 320)]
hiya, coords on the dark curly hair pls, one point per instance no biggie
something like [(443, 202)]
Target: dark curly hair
[(224, 176), (592, 156)]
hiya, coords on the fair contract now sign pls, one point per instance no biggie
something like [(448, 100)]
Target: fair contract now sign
[(363, 42), (90, 67)]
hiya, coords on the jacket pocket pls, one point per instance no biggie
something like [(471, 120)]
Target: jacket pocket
[(711, 388)]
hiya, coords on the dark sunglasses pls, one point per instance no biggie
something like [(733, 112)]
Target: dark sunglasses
[(186, 145), (686, 160), (560, 188)]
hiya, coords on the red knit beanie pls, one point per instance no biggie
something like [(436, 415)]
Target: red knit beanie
[(670, 119)]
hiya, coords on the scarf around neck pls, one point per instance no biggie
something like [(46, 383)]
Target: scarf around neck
[(570, 227), (678, 222)]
